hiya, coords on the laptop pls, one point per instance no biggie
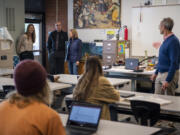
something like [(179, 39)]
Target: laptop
[(131, 63), (83, 119), (126, 95)]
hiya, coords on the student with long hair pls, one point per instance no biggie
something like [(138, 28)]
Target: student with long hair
[(25, 44), (26, 110), (73, 52), (94, 88)]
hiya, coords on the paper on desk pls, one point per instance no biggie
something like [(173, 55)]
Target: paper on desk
[(151, 99)]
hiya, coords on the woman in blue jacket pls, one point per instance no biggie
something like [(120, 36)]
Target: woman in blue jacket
[(74, 52)]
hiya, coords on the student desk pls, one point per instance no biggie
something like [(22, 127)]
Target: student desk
[(53, 86), (5, 71), (73, 79), (121, 72), (169, 111), (116, 128)]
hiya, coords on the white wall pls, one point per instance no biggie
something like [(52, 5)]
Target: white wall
[(91, 34), (18, 18), (1, 12), (146, 31)]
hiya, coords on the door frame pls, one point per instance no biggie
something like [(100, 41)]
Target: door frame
[(43, 46)]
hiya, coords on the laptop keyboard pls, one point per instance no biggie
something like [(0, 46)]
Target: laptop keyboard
[(71, 131)]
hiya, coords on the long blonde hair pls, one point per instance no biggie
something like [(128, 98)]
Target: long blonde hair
[(44, 96), (89, 79)]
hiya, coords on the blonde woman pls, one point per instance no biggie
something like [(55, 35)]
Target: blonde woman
[(26, 112), (25, 44), (94, 88), (73, 52)]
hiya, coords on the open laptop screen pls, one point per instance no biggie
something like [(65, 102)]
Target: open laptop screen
[(84, 116), (131, 63)]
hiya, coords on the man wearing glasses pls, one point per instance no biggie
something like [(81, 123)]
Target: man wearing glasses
[(56, 49)]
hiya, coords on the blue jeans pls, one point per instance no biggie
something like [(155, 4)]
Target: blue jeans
[(73, 68)]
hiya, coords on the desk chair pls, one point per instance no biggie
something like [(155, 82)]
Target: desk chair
[(6, 90), (68, 104), (2, 95), (145, 113), (114, 111)]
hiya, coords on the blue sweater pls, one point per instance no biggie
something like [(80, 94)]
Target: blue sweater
[(169, 57)]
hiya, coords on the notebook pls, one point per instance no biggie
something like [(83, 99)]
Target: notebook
[(131, 63), (83, 119)]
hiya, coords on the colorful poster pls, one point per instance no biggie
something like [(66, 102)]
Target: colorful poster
[(97, 14), (121, 48)]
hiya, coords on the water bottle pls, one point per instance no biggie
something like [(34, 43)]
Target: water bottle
[(125, 33), (120, 34)]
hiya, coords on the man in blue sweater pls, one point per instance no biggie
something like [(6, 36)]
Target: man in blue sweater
[(167, 73)]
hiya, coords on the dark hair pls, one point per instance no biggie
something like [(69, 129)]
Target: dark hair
[(33, 36), (89, 79), (93, 64), (168, 23)]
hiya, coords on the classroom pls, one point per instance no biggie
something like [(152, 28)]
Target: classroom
[(89, 67)]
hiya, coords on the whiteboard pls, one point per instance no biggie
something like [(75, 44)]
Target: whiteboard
[(146, 31)]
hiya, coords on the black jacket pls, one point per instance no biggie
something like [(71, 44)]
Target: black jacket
[(51, 44)]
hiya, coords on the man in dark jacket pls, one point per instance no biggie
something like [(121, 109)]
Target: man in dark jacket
[(56, 49)]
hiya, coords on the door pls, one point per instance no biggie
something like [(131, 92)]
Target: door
[(37, 46)]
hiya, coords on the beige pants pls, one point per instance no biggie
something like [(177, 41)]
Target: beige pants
[(161, 78)]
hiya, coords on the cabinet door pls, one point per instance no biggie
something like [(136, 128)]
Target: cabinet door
[(109, 47), (109, 59)]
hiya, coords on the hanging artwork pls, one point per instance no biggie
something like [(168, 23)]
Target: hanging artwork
[(97, 14)]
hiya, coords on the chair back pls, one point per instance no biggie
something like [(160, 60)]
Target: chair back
[(113, 112), (146, 113), (8, 88), (68, 102)]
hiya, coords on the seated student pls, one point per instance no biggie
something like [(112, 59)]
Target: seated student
[(26, 111), (94, 88)]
